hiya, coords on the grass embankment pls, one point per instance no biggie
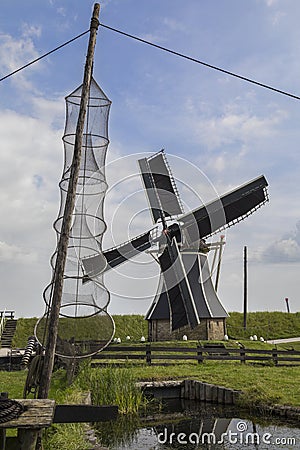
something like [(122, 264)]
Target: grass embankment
[(129, 325), (270, 325)]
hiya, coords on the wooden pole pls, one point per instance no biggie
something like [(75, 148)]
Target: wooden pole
[(67, 217), (245, 287), (287, 305), (219, 263)]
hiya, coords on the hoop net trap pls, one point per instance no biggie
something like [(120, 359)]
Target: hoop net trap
[(85, 326)]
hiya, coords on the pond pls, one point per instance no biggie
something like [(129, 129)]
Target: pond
[(182, 424)]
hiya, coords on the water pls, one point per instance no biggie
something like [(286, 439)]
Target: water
[(191, 425)]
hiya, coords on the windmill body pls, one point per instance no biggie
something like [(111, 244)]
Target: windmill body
[(186, 301)]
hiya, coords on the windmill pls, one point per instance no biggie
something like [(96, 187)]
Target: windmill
[(186, 298)]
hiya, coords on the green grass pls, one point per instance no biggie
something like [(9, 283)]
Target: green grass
[(277, 383), (111, 386), (25, 329), (67, 435), (13, 383), (129, 325), (270, 325), (262, 385)]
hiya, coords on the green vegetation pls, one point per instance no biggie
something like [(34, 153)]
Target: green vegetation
[(261, 384), (112, 386), (25, 329), (68, 435), (13, 383), (270, 325), (65, 437), (130, 325), (134, 326), (277, 383)]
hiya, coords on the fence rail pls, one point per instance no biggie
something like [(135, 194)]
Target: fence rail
[(163, 355), (6, 314)]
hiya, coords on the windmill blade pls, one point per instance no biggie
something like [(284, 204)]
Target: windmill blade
[(116, 255), (177, 286), (225, 211), (160, 187), (198, 224)]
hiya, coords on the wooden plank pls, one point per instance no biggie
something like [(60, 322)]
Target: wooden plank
[(38, 414), (121, 356), (288, 359), (175, 357), (287, 352), (123, 348), (84, 413), (223, 358), (174, 349)]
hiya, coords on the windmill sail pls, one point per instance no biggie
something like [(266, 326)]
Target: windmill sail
[(160, 187), (199, 223), (225, 211)]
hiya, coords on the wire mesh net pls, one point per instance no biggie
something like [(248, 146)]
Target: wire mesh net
[(85, 326)]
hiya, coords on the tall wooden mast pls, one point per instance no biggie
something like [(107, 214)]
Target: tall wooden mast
[(67, 217)]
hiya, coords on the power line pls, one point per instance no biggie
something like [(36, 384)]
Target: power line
[(43, 56), (165, 49), (219, 69)]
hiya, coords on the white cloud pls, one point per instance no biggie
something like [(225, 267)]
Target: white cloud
[(14, 53), (286, 249), (31, 30), (271, 2), (174, 25), (232, 127), (15, 254)]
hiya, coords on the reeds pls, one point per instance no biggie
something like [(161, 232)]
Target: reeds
[(112, 386)]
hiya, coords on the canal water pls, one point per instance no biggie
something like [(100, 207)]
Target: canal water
[(181, 424)]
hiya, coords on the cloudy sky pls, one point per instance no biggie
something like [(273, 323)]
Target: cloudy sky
[(217, 131)]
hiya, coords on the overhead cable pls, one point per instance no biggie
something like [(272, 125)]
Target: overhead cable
[(168, 50), (181, 55), (43, 56)]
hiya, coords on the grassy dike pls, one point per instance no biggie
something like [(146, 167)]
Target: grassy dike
[(270, 325)]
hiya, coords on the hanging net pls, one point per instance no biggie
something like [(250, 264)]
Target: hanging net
[(85, 326)]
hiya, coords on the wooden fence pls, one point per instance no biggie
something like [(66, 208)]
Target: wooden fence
[(163, 355)]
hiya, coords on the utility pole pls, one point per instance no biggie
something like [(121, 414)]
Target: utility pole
[(287, 305), (62, 246), (245, 288)]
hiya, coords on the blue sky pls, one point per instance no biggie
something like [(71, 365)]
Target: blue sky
[(219, 132)]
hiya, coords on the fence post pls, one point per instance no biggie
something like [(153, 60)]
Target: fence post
[(3, 431), (275, 356), (243, 355), (148, 354), (199, 354)]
